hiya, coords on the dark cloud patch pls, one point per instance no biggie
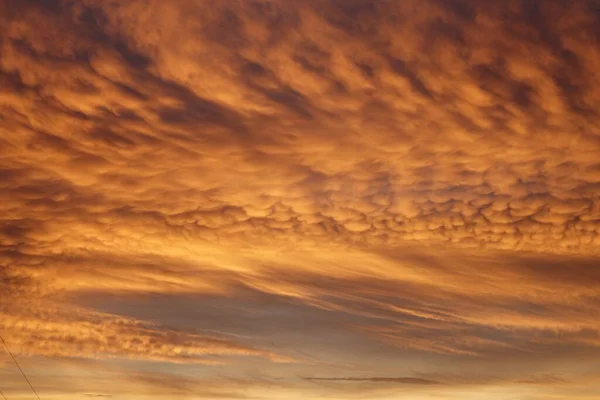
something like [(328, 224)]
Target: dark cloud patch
[(352, 16), (290, 99), (544, 380), (402, 69), (464, 9), (53, 6), (401, 380)]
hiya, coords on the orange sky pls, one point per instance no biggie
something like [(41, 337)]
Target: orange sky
[(275, 199)]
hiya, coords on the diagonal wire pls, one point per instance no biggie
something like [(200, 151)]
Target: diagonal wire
[(2, 394), (18, 366)]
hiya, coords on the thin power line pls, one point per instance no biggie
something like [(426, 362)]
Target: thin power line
[(18, 366), (3, 396)]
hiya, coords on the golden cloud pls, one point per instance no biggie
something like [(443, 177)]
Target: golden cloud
[(429, 168)]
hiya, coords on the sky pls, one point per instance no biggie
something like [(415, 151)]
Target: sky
[(300, 200)]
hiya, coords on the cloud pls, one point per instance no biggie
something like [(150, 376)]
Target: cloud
[(64, 332), (448, 380), (424, 171), (543, 379), (357, 157), (402, 380)]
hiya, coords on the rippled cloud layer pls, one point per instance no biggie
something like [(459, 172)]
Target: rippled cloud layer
[(353, 198)]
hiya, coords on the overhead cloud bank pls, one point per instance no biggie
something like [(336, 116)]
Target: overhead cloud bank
[(263, 118), (393, 161)]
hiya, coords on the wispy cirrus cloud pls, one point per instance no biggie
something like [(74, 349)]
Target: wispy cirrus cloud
[(402, 379)]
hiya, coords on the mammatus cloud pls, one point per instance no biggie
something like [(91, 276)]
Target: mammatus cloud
[(427, 172), (358, 137)]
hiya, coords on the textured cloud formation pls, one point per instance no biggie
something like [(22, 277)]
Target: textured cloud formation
[(357, 135), (64, 333), (425, 173)]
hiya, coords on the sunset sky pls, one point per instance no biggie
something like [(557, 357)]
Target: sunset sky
[(300, 199)]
